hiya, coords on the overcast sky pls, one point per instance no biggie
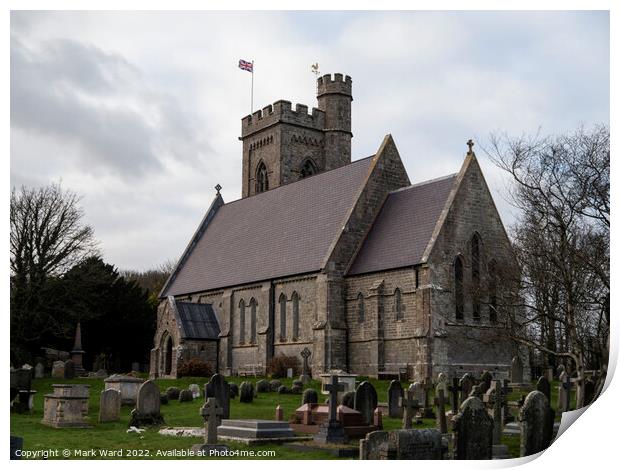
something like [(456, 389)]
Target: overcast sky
[(139, 113)]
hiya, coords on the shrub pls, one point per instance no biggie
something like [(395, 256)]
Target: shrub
[(195, 368), (279, 364)]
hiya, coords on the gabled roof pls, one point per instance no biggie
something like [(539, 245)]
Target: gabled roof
[(198, 321), (285, 231), (404, 227)]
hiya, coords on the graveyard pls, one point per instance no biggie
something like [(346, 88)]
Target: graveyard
[(105, 437)]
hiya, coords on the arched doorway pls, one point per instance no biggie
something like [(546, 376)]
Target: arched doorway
[(167, 355)]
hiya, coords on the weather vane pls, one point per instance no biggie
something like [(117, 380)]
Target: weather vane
[(315, 68)]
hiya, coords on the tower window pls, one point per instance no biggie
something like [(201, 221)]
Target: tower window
[(282, 302), (262, 179), (252, 320), (360, 308), (493, 291), (295, 300), (475, 275), (241, 322), (458, 288), (398, 304), (308, 169)]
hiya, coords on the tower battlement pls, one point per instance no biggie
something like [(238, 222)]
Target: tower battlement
[(338, 84), (282, 111)]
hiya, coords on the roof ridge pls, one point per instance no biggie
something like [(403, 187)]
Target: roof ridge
[(299, 181), (423, 183)]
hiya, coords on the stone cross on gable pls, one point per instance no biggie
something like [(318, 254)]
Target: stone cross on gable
[(211, 412), (333, 387), (440, 401), (470, 145), (410, 408), (454, 389)]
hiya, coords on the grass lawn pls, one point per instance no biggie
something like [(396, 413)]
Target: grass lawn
[(114, 436)]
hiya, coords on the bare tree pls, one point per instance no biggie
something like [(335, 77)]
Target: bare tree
[(561, 186), (48, 237)]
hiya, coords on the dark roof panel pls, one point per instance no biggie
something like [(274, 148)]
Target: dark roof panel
[(285, 231), (198, 320), (404, 227)]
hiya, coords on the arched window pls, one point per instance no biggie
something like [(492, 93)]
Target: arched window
[(475, 276), (262, 179), (282, 302), (398, 304), (493, 291), (252, 320), (295, 300), (242, 321), (360, 308), (308, 168), (458, 287)]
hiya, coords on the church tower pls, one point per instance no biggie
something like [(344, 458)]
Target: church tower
[(282, 145)]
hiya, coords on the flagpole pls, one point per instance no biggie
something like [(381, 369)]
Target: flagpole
[(252, 92)]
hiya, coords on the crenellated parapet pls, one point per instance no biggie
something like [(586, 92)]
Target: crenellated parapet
[(334, 85), (282, 112)]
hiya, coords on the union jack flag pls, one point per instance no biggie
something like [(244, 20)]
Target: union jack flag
[(245, 65)]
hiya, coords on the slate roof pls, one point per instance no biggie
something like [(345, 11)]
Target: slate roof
[(198, 320), (404, 227), (285, 231)]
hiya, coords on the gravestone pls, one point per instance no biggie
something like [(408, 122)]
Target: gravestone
[(309, 396), (127, 385), (366, 401), (289, 373), (473, 431), (428, 408), (544, 387), (109, 406), (454, 390), (516, 370), (262, 386), (506, 390), (274, 385), (234, 390), (58, 370), (476, 391), (348, 399), (256, 431), (195, 389), (305, 370), (185, 396), (402, 444), (588, 392), (147, 410), (395, 395), (442, 383), (173, 393), (69, 369), (211, 412), (17, 444), (246, 392), (466, 383), (332, 432), (496, 398), (411, 406), (218, 388), (39, 371), (440, 401), (66, 406), (564, 393), (296, 389), (282, 390), (485, 381), (559, 370), (536, 418), (163, 399), (418, 391)]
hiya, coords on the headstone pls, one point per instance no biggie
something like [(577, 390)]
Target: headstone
[(147, 411), (39, 371), (17, 444), (218, 388), (127, 385), (58, 370), (163, 399), (476, 391), (173, 393), (473, 431), (564, 393), (305, 370), (496, 398), (428, 407), (279, 413), (366, 400), (309, 396), (536, 418), (549, 374), (466, 383), (69, 369), (348, 399), (234, 390), (289, 373), (274, 385), (506, 390), (255, 431), (588, 396), (246, 392), (442, 383), (516, 370), (296, 389), (109, 406), (402, 444), (411, 407), (297, 383), (454, 390), (135, 367), (377, 419), (262, 386), (211, 412), (67, 406), (485, 381), (418, 391), (544, 387), (332, 431), (185, 396), (441, 411), (559, 370), (395, 395), (195, 389), (282, 390)]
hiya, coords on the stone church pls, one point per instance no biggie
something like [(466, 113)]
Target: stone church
[(374, 274)]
